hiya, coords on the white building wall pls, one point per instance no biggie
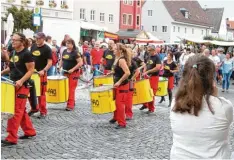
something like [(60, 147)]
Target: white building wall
[(199, 32), (160, 17), (103, 6)]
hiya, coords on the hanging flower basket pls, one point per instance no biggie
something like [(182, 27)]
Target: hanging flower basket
[(25, 1), (52, 4), (40, 2), (64, 6)]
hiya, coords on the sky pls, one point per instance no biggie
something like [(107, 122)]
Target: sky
[(228, 6)]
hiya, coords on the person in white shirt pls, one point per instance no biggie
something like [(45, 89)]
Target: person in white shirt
[(216, 61), (184, 57), (200, 120)]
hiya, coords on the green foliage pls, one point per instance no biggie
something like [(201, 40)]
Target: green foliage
[(213, 38), (23, 18)]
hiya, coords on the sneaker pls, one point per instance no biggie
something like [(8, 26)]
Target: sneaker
[(26, 137), (7, 143), (32, 112), (149, 112), (128, 118), (120, 127), (112, 121), (143, 107), (42, 116), (69, 109), (223, 90)]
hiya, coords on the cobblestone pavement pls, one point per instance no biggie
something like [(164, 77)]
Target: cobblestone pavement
[(83, 135)]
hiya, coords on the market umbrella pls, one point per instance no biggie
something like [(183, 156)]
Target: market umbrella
[(10, 27)]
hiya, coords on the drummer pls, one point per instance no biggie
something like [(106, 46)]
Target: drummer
[(42, 56), (151, 71), (170, 68), (134, 72), (21, 68), (71, 61), (121, 74), (108, 57)]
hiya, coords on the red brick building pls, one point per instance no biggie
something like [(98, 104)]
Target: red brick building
[(130, 14)]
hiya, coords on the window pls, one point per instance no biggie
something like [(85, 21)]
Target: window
[(164, 28), (138, 2), (129, 19), (111, 18), (186, 15), (138, 20), (125, 2), (102, 17), (130, 2), (92, 15), (173, 28), (185, 30), (193, 31), (150, 12), (202, 32), (179, 29), (124, 19), (154, 28), (82, 13)]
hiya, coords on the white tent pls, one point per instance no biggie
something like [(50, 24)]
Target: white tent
[(10, 27)]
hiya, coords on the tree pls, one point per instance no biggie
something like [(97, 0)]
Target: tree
[(23, 18)]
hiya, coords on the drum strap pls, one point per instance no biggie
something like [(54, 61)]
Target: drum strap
[(22, 96), (123, 91), (44, 83)]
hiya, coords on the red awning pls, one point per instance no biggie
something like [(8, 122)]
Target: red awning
[(111, 36)]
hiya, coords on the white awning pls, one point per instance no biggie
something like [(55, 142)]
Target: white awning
[(91, 26)]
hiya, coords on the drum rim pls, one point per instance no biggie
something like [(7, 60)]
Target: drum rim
[(102, 76), (106, 89), (61, 78), (7, 83)]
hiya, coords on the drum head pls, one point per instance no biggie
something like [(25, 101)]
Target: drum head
[(103, 76), (56, 77), (101, 88)]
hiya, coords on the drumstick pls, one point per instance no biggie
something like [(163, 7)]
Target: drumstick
[(99, 71), (8, 80), (64, 70)]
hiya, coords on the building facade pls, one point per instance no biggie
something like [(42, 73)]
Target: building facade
[(181, 19), (130, 14)]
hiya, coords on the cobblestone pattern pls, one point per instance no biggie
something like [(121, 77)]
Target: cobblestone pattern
[(83, 135)]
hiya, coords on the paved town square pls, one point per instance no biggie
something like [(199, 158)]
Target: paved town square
[(83, 135)]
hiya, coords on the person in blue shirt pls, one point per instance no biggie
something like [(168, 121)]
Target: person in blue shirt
[(87, 56), (227, 68), (162, 54)]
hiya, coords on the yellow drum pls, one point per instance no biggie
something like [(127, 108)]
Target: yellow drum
[(100, 80), (57, 89), (142, 92), (7, 99), (162, 87), (102, 100), (37, 82)]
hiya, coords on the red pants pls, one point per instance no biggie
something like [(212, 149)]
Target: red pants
[(121, 95), (128, 108), (42, 98), (20, 117), (154, 85), (73, 82), (171, 82)]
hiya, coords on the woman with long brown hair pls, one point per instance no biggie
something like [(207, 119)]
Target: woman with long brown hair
[(121, 74), (21, 68), (71, 61), (200, 120)]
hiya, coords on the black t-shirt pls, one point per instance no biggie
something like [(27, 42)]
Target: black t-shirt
[(138, 61), (167, 68), (132, 68), (152, 62), (69, 59), (41, 56), (118, 73), (109, 58), (20, 59)]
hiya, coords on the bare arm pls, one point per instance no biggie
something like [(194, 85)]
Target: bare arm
[(5, 71), (155, 69)]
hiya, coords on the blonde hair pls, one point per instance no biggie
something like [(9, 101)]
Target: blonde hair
[(125, 52)]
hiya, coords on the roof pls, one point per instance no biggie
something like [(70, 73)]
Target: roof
[(231, 24), (197, 15), (215, 16), (128, 33)]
